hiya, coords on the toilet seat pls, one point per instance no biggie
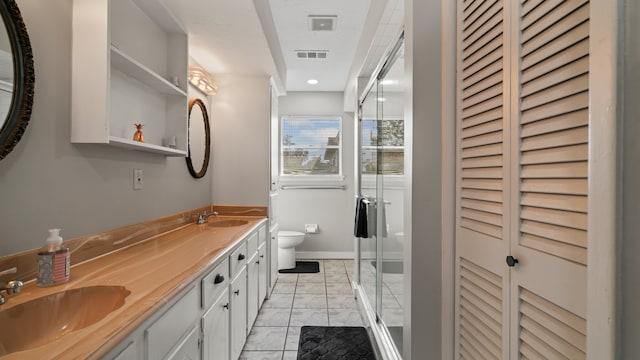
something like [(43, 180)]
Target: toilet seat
[(287, 233)]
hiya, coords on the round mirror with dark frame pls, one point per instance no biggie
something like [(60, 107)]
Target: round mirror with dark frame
[(199, 139), (17, 78)]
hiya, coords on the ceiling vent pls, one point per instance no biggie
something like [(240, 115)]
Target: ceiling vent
[(322, 22), (311, 54)]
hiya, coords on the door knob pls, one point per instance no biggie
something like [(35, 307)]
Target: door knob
[(511, 261)]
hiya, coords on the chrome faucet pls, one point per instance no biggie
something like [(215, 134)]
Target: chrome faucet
[(202, 218), (11, 287)]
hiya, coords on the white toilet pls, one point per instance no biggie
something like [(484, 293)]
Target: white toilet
[(287, 242)]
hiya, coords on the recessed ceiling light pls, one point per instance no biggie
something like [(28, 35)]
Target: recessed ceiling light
[(312, 82)]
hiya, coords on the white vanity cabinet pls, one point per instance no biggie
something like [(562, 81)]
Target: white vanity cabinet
[(238, 300), (273, 257), (189, 348), (257, 270), (252, 289), (211, 318), (128, 353), (170, 328), (215, 329), (262, 272), (130, 63)]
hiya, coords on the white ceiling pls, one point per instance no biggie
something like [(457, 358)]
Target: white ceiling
[(225, 36), (291, 18), (258, 38)]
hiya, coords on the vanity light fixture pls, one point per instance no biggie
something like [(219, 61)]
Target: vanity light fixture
[(202, 80), (312, 82)]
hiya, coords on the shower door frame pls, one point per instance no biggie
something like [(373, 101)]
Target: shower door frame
[(374, 313)]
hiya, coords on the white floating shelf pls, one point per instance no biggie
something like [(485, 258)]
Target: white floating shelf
[(141, 146), (133, 68)]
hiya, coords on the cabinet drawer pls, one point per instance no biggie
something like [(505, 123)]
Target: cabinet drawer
[(216, 281), (163, 334), (252, 245), (238, 259)]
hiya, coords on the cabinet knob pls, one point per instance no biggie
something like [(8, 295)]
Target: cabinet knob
[(262, 256), (218, 279), (257, 261), (241, 256), (511, 261), (237, 292), (226, 306)]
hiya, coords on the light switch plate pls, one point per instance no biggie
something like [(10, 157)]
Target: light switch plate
[(137, 179)]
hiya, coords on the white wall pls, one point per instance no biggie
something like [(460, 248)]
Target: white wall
[(427, 145), (240, 125), (332, 210), (49, 182), (630, 292)]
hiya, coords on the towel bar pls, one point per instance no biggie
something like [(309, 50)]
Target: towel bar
[(313, 187)]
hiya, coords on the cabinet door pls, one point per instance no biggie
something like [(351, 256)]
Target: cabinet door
[(165, 333), (238, 312), (129, 353), (273, 265), (252, 290), (262, 273), (189, 349), (215, 329)]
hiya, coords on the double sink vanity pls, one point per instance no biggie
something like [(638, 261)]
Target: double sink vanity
[(191, 292)]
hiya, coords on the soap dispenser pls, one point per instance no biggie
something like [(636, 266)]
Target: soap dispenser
[(54, 261)]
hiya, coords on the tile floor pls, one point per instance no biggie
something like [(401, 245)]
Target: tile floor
[(323, 299)]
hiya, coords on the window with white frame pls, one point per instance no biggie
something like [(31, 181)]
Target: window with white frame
[(382, 143), (311, 145)]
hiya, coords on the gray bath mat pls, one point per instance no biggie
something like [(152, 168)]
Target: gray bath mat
[(390, 267)]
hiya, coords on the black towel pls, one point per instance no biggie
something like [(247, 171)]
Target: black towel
[(360, 226)]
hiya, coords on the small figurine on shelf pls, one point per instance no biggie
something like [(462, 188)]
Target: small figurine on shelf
[(138, 136)]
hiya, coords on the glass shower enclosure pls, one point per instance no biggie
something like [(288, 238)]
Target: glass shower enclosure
[(381, 183)]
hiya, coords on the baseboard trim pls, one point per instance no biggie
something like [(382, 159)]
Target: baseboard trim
[(325, 255)]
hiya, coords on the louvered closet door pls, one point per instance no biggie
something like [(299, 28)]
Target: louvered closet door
[(549, 237), (482, 224), (522, 190)]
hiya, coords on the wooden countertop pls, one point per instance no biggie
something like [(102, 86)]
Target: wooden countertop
[(154, 270)]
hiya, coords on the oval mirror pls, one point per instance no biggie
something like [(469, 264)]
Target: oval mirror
[(16, 77), (199, 139)]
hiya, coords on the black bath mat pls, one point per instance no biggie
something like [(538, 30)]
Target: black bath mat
[(334, 343), (303, 267), (390, 267)]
